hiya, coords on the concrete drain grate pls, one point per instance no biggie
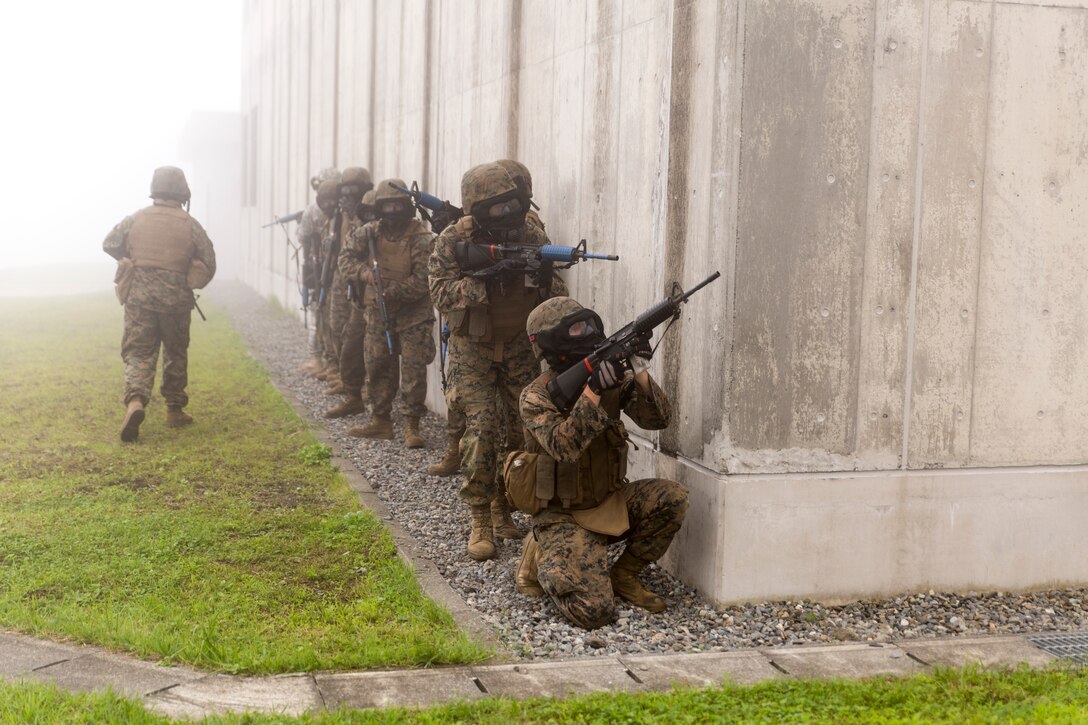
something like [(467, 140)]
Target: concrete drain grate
[(1066, 646)]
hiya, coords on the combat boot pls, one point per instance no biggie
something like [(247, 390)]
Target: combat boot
[(336, 387), (353, 405), (130, 426), (176, 417), (327, 369), (626, 584), (450, 463), (481, 540), (312, 366), (380, 427), (526, 577), (412, 438), (505, 528)]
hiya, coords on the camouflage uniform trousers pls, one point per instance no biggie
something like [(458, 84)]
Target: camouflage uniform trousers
[(487, 392), (573, 567), (339, 312), (145, 331), (406, 370), (352, 354)]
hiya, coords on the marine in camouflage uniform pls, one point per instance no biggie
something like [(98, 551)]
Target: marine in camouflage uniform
[(312, 232), (593, 504), (355, 183), (489, 357), (402, 245), (166, 254), (450, 463)]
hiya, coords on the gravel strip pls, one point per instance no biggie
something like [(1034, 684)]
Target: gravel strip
[(428, 508)]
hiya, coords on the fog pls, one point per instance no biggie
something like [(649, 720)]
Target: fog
[(95, 96)]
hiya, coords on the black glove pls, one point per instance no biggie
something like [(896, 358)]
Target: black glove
[(641, 346), (605, 376)]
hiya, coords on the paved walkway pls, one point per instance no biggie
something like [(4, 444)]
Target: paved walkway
[(182, 692)]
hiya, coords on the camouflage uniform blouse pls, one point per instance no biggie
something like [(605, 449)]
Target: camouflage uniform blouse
[(159, 290)]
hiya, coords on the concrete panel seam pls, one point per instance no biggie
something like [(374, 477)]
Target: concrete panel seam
[(981, 228), (916, 239)]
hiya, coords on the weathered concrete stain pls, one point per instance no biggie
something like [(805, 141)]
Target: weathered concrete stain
[(801, 225), (955, 113)]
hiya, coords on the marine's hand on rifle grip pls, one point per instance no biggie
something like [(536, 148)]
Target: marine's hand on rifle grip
[(641, 347), (605, 376)]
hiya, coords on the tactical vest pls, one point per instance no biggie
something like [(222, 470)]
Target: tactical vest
[(394, 260), (162, 237), (503, 320), (600, 470)]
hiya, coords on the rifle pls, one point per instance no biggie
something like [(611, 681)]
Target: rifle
[(484, 260), (565, 388), (197, 306), (332, 252), (379, 288), (444, 328), (284, 219), (440, 214)]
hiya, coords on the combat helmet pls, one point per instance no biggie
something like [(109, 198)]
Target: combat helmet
[(557, 334), (519, 172), (168, 182), (485, 182), (392, 204), (357, 176), (324, 175), (328, 194)]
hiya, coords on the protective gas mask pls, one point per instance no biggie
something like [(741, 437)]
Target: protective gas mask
[(502, 219), (575, 337)]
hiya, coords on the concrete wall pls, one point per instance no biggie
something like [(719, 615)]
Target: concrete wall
[(893, 191)]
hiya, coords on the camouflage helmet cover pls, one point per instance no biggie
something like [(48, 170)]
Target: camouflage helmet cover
[(324, 175), (518, 171), (484, 182), (357, 175), (368, 198), (547, 315), (385, 190), (168, 182)]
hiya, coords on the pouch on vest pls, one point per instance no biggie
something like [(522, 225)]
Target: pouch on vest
[(199, 275), (530, 480), (610, 518), (122, 279)]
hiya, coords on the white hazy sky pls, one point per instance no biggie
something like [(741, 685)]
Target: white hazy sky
[(94, 96)]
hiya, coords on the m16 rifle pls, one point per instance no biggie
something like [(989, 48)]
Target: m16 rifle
[(438, 213), (537, 261), (286, 219), (619, 347), (379, 288)]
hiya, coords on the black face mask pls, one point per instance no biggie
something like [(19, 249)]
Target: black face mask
[(328, 208), (575, 337), (366, 213)]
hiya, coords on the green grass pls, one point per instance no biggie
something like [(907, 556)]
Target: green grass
[(230, 545), (947, 696)]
